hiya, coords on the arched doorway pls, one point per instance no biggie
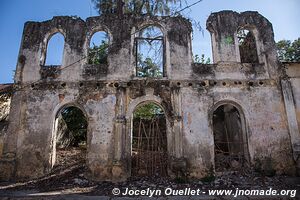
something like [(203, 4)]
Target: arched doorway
[(69, 138), (149, 152), (230, 138)]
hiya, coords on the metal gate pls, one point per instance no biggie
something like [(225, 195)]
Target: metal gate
[(149, 147)]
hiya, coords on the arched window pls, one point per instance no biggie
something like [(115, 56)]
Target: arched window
[(55, 50), (98, 49), (247, 46), (149, 46)]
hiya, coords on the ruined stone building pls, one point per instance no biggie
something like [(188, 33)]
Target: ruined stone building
[(245, 106)]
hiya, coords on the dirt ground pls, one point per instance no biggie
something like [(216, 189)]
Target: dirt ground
[(68, 175)]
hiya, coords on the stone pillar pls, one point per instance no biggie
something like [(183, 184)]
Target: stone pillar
[(8, 157), (292, 120), (119, 168), (177, 127)]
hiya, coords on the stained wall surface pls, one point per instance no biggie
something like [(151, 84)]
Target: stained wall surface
[(108, 94)]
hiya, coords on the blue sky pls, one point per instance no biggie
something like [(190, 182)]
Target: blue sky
[(283, 14)]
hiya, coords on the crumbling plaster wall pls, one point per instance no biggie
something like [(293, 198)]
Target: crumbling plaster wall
[(121, 58), (108, 94), (5, 100), (291, 93), (293, 72), (224, 26), (265, 120)]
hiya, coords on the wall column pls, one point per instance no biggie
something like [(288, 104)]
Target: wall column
[(119, 167), (292, 119), (177, 127)]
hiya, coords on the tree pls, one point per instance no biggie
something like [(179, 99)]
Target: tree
[(76, 127), (98, 54), (148, 68), (137, 7), (147, 111), (201, 60), (288, 51)]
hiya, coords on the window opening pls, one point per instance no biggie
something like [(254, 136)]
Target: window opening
[(149, 52), (98, 50), (247, 46), (55, 49)]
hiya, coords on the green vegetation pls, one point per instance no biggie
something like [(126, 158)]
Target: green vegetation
[(288, 51), (136, 7), (148, 68), (76, 124), (98, 54), (202, 59), (147, 111)]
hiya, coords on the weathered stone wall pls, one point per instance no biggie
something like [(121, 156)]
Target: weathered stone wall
[(293, 72), (108, 95), (5, 99), (224, 26), (121, 59), (291, 94)]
